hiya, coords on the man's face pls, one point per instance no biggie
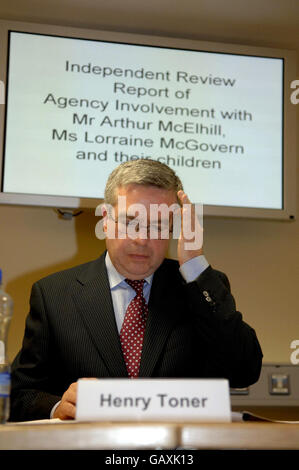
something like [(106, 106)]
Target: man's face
[(140, 257)]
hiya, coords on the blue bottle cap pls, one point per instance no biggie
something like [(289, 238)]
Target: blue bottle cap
[(0, 276)]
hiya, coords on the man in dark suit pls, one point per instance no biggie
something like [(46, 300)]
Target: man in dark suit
[(75, 324)]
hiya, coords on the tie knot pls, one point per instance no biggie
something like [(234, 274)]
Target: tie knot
[(137, 285)]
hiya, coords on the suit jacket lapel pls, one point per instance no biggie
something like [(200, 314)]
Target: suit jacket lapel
[(161, 320), (93, 299)]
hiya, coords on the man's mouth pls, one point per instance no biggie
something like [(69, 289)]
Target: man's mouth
[(138, 256)]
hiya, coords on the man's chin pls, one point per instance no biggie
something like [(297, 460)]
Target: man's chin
[(138, 269)]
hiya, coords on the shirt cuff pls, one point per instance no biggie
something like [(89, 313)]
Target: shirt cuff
[(193, 268), (53, 409)]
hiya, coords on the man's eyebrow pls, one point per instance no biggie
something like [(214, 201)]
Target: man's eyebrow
[(133, 217)]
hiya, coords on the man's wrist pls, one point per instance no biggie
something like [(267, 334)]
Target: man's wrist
[(194, 267)]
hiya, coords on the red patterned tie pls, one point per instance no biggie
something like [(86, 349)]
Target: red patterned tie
[(132, 331)]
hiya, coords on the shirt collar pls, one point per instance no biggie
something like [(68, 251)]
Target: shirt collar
[(115, 278)]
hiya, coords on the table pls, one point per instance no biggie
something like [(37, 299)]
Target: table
[(140, 436)]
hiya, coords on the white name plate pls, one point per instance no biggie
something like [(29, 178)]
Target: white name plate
[(153, 400)]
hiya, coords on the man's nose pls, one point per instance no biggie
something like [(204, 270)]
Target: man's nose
[(141, 241)]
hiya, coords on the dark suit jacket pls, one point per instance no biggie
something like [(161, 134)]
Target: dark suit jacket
[(193, 330)]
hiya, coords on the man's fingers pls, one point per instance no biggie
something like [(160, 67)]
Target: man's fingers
[(68, 410), (191, 237), (183, 197), (67, 407), (189, 209), (65, 410), (70, 397), (71, 394)]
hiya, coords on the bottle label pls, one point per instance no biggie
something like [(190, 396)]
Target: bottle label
[(4, 384)]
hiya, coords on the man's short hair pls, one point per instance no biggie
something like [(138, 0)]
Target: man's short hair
[(145, 172)]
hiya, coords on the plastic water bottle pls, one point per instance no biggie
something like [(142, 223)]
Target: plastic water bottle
[(6, 311)]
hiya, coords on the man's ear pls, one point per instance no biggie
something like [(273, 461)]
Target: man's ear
[(105, 219), (101, 227)]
